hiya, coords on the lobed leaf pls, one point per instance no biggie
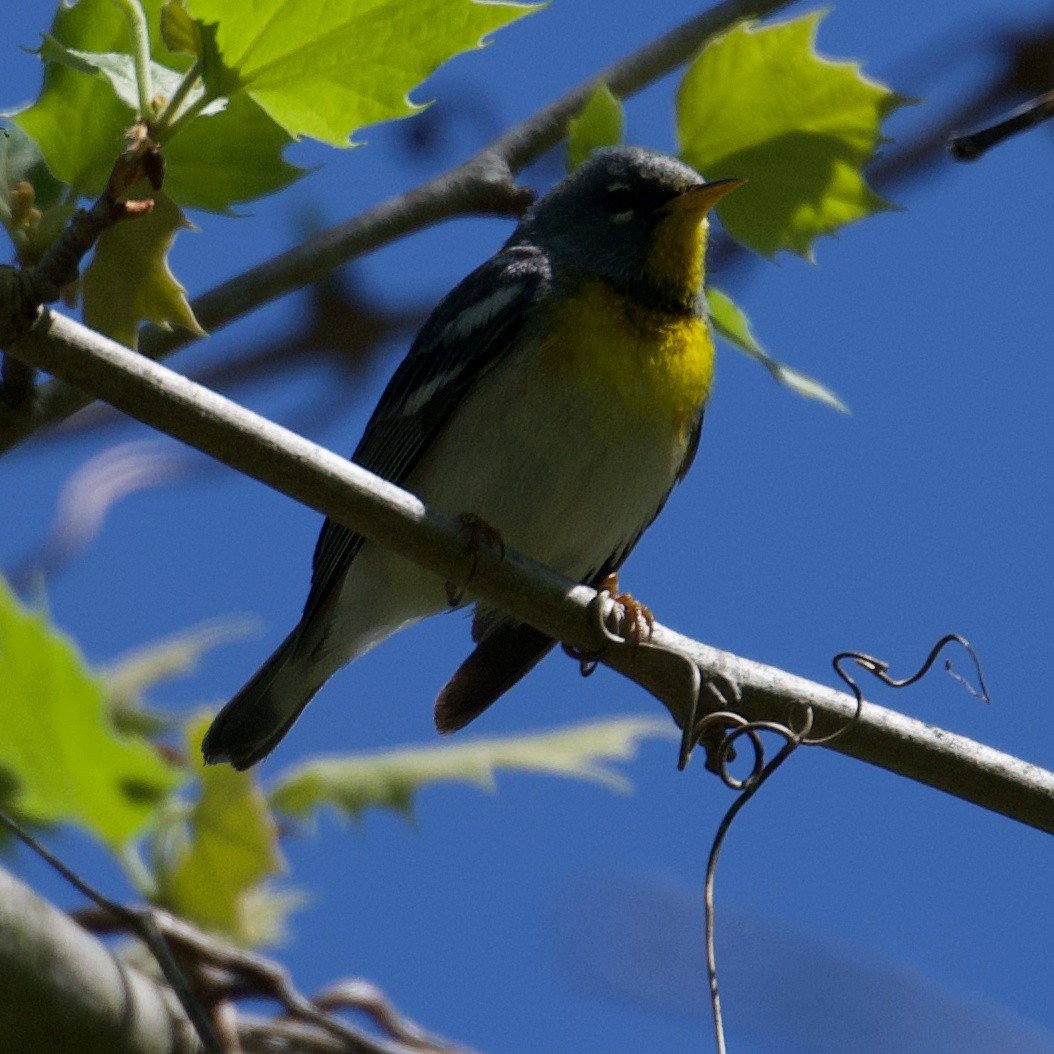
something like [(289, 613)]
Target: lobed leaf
[(215, 872), (326, 70), (761, 104), (60, 757), (599, 123), (391, 780), (730, 321), (128, 279), (232, 157)]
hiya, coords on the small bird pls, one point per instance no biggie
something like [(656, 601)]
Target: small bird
[(556, 396)]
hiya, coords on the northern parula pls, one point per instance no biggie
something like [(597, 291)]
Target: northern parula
[(556, 394)]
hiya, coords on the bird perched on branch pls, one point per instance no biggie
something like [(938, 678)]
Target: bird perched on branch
[(555, 395)]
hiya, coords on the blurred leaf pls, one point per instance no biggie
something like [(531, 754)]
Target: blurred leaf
[(129, 676), (731, 323), (119, 70), (761, 104), (29, 193), (56, 741), (390, 780), (78, 122), (328, 70), (22, 162), (128, 279), (213, 873), (599, 123), (230, 157)]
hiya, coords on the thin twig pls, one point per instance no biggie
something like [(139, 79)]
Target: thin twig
[(367, 998), (228, 973)]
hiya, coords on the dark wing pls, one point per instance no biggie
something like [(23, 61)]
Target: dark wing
[(508, 650), (469, 331)]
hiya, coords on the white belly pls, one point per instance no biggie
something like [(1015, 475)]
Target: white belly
[(531, 466)]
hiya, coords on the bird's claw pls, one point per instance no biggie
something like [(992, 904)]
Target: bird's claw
[(636, 621)]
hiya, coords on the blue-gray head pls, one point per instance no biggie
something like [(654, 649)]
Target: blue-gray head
[(632, 217)]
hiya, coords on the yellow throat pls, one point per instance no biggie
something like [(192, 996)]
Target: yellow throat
[(653, 361)]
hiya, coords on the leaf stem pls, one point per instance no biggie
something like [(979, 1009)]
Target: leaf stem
[(168, 114), (141, 55), (165, 135)]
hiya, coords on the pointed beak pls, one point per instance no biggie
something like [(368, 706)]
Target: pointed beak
[(700, 199)]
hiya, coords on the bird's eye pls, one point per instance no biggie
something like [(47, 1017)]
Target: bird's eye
[(619, 200)]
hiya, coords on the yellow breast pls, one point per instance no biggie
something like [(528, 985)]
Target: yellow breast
[(648, 361)]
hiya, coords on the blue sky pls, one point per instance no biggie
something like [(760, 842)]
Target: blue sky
[(556, 916)]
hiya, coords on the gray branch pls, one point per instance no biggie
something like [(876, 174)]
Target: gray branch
[(564, 609), (61, 989), (481, 185)]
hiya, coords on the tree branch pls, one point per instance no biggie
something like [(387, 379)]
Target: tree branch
[(480, 185), (567, 611), (61, 989)]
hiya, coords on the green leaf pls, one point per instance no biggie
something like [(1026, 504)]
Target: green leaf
[(78, 122), (119, 70), (390, 780), (761, 104), (128, 279), (326, 70), (599, 123), (57, 745), (213, 869), (235, 156), (732, 323)]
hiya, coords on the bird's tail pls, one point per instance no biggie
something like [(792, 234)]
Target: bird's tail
[(252, 724)]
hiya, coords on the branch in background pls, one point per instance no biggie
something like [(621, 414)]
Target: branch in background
[(971, 147), (667, 666), (482, 185)]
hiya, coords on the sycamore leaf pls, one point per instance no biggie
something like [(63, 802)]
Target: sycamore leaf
[(234, 156), (60, 758), (599, 123), (759, 103), (128, 279), (326, 70), (119, 70), (732, 323), (214, 869), (390, 780)]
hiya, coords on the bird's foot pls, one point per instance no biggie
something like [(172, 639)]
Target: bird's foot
[(636, 620), (480, 533)]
